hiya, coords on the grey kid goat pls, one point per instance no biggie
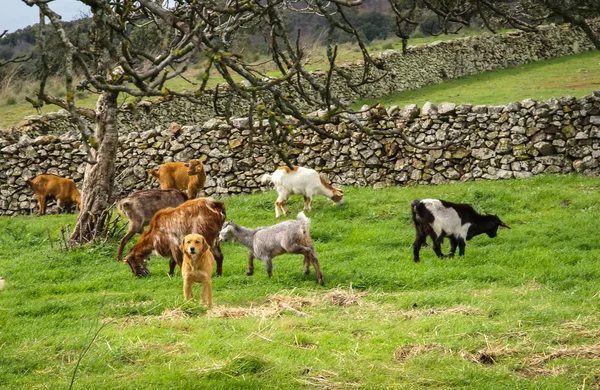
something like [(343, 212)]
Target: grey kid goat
[(265, 243)]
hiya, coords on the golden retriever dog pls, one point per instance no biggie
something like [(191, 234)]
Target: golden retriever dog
[(197, 267)]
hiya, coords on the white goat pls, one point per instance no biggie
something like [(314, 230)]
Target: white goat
[(300, 181), (265, 243)]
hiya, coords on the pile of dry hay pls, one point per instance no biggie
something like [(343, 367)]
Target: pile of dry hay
[(279, 303), (276, 304)]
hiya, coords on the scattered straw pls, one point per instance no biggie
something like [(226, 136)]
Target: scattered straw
[(581, 352), (534, 372), (174, 314), (458, 310), (276, 305), (326, 379), (408, 351), (344, 298), (486, 356)]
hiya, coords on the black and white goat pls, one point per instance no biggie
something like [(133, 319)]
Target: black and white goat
[(459, 222)]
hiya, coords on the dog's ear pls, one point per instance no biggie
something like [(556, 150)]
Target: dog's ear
[(182, 245)]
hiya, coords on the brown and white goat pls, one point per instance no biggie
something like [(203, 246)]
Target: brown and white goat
[(300, 181), (459, 222), (168, 227), (189, 176), (48, 187), (141, 206)]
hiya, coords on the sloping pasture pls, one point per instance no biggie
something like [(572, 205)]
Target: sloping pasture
[(519, 310)]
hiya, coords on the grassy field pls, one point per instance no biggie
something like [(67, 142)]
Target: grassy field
[(518, 311), (577, 75)]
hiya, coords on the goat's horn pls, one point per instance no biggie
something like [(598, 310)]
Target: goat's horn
[(504, 225)]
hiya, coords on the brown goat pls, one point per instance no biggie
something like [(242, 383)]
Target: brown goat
[(141, 206), (189, 176), (168, 227), (48, 187)]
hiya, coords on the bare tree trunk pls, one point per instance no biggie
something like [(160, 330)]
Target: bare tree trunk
[(99, 178)]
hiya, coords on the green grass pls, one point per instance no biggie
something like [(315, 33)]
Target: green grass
[(577, 75), (532, 290)]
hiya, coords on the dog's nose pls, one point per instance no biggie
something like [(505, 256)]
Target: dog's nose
[(192, 250)]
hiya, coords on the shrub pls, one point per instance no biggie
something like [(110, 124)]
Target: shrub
[(11, 100)]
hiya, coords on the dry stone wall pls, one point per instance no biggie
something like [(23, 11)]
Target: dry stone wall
[(420, 66), (518, 140)]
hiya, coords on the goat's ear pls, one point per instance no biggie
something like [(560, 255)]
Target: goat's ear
[(187, 165)]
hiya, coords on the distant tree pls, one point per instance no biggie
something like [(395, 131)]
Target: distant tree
[(9, 57), (525, 15), (115, 60), (374, 25)]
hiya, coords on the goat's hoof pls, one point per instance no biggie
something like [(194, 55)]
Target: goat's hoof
[(249, 273), (321, 282), (448, 256), (306, 271)]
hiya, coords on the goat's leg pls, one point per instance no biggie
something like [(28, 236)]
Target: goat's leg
[(315, 262), (176, 258), (172, 264), (218, 255), (461, 246), (306, 264), (133, 229), (419, 241), (308, 251), (60, 205), (250, 270), (284, 207), (437, 244), (280, 204), (42, 203), (307, 203), (453, 243), (269, 267), (277, 209)]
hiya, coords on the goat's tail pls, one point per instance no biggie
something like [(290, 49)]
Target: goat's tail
[(266, 178), (305, 223)]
